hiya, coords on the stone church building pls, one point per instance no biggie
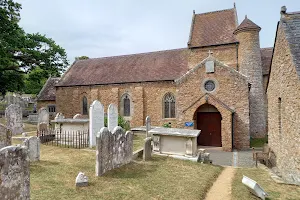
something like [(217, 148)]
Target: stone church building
[(216, 84)]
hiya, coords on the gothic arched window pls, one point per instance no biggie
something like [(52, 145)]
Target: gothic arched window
[(126, 105), (125, 108), (169, 105), (84, 106)]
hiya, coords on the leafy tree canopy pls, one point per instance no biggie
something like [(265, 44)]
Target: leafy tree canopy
[(22, 54), (81, 58)]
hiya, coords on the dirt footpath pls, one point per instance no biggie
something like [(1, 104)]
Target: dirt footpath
[(221, 188)]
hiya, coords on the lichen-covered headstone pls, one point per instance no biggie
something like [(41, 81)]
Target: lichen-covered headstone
[(147, 149), (148, 126), (14, 173), (14, 123), (43, 116), (33, 147), (5, 136), (81, 180), (104, 151), (113, 149), (112, 117), (96, 121)]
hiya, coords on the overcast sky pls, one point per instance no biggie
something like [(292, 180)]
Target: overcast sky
[(98, 28)]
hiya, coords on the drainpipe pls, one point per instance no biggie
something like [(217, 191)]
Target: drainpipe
[(232, 131)]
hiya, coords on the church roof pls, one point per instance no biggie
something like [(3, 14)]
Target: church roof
[(48, 91), (291, 26), (246, 25), (213, 28), (154, 66), (266, 58)]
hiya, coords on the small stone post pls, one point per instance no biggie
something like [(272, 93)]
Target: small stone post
[(147, 149), (148, 125)]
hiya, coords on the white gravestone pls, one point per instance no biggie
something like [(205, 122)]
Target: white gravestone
[(96, 121), (148, 126), (112, 117), (13, 114), (43, 116), (81, 180)]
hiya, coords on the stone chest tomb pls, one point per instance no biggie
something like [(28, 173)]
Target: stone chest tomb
[(175, 141)]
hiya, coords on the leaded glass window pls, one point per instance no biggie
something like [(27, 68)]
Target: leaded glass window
[(169, 106)]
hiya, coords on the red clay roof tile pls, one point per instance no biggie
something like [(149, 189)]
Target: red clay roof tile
[(213, 28)]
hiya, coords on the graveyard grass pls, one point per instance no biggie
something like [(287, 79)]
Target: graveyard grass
[(29, 127), (162, 178), (262, 177)]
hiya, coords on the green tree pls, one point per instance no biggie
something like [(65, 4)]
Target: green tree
[(22, 53), (82, 58)]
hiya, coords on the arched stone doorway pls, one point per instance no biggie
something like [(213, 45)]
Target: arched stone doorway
[(208, 120)]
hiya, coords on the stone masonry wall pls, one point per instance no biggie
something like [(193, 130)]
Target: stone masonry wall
[(250, 64), (284, 119), (41, 104), (226, 54)]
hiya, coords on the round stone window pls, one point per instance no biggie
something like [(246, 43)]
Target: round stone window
[(209, 85)]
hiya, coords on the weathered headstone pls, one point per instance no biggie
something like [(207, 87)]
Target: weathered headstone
[(148, 126), (96, 121), (81, 180), (13, 114), (112, 117), (43, 116), (104, 151), (147, 149), (14, 173), (33, 147), (5, 136), (113, 149)]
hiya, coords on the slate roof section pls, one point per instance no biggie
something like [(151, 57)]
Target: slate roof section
[(145, 67), (291, 25), (247, 25), (213, 28), (266, 58), (48, 91)]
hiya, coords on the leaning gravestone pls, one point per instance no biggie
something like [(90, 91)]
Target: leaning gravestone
[(112, 117), (33, 147), (5, 136), (43, 116), (13, 114), (113, 149), (14, 173), (96, 120)]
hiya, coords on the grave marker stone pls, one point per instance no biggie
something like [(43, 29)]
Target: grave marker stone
[(96, 121), (112, 118), (33, 146), (14, 173), (148, 126), (81, 180), (13, 114), (147, 149), (113, 149), (43, 116), (5, 136)]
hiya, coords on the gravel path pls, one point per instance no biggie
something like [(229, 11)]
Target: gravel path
[(221, 189)]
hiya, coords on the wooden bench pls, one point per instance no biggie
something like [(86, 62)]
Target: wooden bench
[(262, 155)]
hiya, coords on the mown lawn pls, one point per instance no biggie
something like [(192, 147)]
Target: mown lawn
[(162, 178), (275, 190)]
